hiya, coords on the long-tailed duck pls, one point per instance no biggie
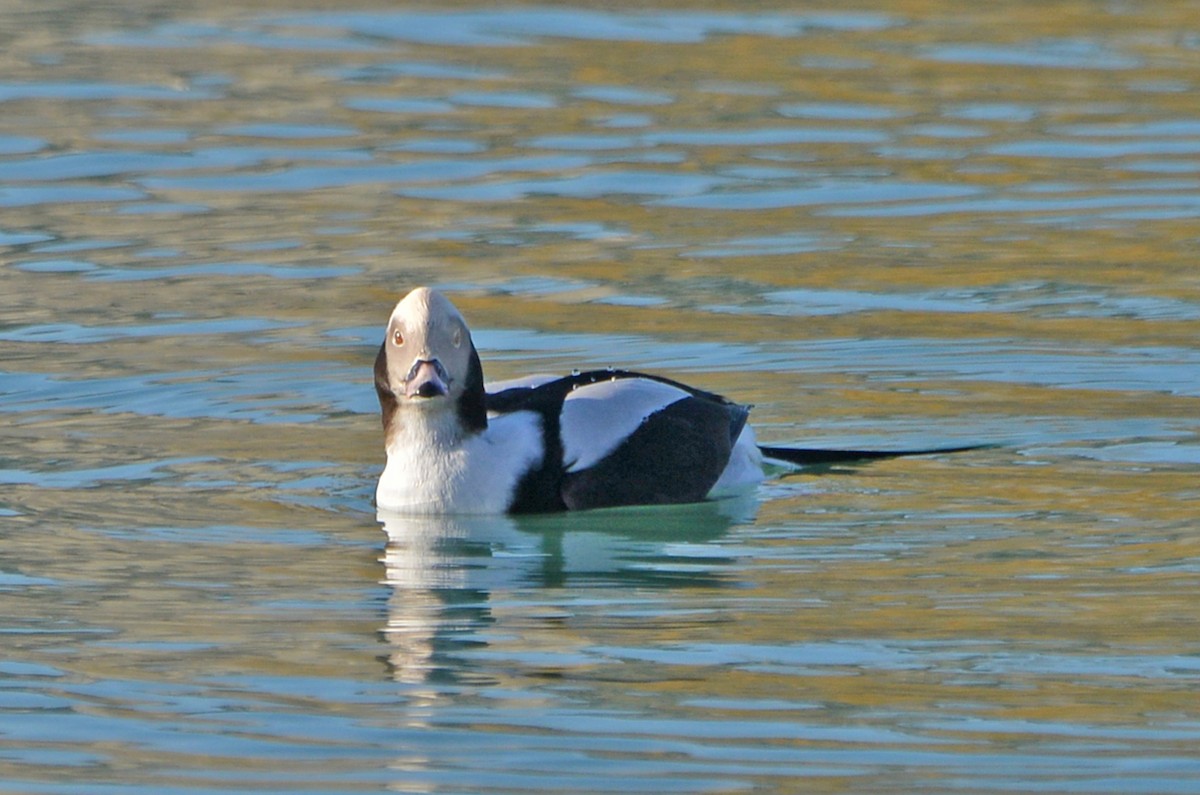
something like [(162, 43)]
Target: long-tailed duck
[(588, 440)]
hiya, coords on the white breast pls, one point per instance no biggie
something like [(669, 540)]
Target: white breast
[(479, 474)]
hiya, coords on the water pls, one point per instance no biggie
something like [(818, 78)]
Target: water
[(904, 225)]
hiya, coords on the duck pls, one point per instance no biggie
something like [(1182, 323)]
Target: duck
[(608, 438)]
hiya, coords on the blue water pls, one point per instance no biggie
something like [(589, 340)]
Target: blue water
[(881, 228)]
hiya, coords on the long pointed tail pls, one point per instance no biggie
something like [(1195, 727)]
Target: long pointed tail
[(810, 456)]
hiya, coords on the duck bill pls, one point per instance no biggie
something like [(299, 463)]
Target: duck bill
[(427, 379)]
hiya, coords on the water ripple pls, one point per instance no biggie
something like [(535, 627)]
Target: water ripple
[(517, 26), (1038, 54), (906, 226)]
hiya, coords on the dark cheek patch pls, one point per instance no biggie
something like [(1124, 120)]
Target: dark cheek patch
[(387, 398)]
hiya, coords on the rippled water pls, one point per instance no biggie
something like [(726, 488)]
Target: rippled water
[(907, 224)]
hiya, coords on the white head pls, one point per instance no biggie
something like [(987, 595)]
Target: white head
[(427, 362)]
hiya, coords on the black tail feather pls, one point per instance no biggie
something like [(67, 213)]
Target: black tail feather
[(809, 456)]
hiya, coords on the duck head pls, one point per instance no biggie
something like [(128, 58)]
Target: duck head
[(427, 364)]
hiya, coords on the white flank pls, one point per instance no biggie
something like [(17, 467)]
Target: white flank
[(744, 468)]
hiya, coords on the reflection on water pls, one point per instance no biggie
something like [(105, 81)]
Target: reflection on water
[(446, 571), (905, 225)]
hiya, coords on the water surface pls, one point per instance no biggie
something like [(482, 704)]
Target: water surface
[(901, 225)]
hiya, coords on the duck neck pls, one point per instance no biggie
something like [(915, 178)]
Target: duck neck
[(415, 429)]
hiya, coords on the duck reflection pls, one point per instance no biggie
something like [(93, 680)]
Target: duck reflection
[(447, 572)]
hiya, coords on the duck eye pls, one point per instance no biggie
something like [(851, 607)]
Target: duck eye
[(398, 337), (456, 337)]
